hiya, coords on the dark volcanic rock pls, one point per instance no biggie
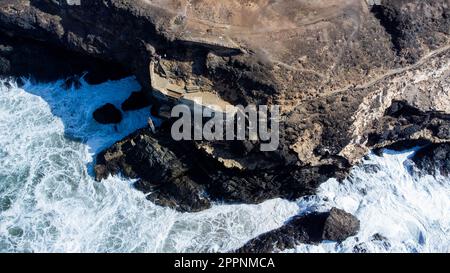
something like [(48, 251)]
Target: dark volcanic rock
[(136, 101), (335, 225), (413, 27), (159, 165), (434, 159), (402, 125), (107, 114), (280, 179), (177, 171), (45, 62), (339, 225)]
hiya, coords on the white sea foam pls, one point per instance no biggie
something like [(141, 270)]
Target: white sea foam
[(412, 213), (49, 201)]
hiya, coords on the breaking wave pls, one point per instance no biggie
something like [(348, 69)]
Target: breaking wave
[(49, 201), (399, 210)]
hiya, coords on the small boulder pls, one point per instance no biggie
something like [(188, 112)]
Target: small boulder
[(136, 101), (108, 114), (339, 225), (335, 225)]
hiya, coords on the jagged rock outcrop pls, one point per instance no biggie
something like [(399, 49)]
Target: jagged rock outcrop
[(403, 123), (179, 175), (162, 167), (335, 68), (335, 225)]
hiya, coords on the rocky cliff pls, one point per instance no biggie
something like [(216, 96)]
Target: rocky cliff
[(349, 75)]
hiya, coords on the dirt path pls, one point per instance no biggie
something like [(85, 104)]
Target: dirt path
[(388, 74)]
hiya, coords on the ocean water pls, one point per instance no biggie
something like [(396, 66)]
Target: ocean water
[(49, 201), (411, 212)]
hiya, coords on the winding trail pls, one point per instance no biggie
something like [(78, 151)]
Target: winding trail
[(388, 74)]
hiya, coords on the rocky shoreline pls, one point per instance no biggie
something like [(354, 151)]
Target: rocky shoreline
[(349, 76)]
